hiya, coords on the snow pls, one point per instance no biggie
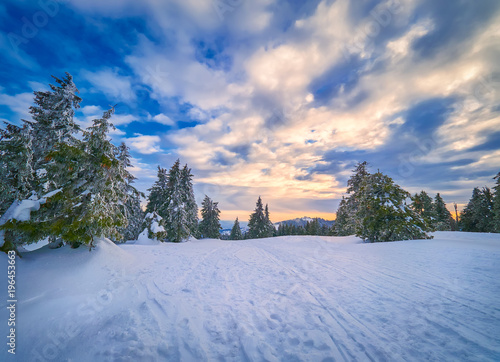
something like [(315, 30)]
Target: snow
[(52, 193), (291, 298), (151, 215), (20, 210), (24, 209), (156, 228), (143, 239)]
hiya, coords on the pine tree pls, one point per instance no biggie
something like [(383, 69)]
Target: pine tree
[(210, 223), (384, 214), (132, 205), (135, 218), (176, 215), (422, 203), (190, 202), (348, 207), (478, 215), (343, 225), (172, 197), (158, 193), (16, 173), (49, 133), (257, 225), (444, 219), (496, 205), (52, 124), (236, 231), (91, 200), (270, 230)]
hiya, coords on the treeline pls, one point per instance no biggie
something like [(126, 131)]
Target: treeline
[(312, 227), (482, 213), (376, 209)]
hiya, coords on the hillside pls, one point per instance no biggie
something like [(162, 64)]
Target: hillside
[(281, 299)]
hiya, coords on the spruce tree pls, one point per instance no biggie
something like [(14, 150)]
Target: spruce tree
[(210, 222), (135, 218), (496, 205), (343, 225), (50, 132), (190, 202), (91, 199), (270, 230), (478, 215), (422, 203), (384, 214), (172, 197), (348, 207), (16, 173), (132, 205), (236, 231), (176, 215), (53, 124), (158, 193), (444, 219), (257, 225)]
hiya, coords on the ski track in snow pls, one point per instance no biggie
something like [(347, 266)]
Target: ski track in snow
[(280, 299)]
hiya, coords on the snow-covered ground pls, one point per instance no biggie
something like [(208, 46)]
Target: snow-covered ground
[(298, 298)]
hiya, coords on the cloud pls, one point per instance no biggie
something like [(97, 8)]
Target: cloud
[(163, 119), (111, 83), (144, 144), (282, 98), (19, 104)]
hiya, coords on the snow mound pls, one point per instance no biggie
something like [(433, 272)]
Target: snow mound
[(144, 240)]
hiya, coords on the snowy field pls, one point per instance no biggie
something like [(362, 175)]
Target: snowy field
[(280, 299)]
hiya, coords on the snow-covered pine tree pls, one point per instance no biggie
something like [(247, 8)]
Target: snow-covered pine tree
[(343, 225), (176, 215), (384, 214), (158, 193), (236, 231), (422, 203), (210, 222), (257, 225), (444, 220), (132, 205), (478, 214), (16, 173), (348, 207), (92, 201), (496, 205), (270, 230), (190, 202), (49, 134), (357, 179), (52, 124)]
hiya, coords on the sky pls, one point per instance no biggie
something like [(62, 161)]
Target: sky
[(274, 98)]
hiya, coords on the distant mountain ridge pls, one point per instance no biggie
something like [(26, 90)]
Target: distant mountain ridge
[(302, 221)]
